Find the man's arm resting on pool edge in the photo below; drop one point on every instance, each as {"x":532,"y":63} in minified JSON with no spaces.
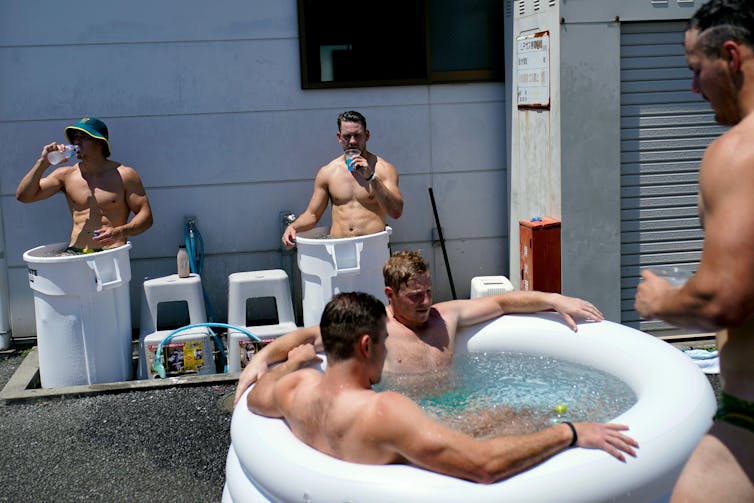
{"x":471,"y":312}
{"x":274,"y":352}
{"x":401,"y":425}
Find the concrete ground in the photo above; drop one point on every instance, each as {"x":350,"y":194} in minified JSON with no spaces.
{"x":152,"y":445}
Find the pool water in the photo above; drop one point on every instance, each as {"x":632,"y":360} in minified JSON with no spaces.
{"x":487,"y":394}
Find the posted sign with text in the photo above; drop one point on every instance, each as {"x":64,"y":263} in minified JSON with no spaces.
{"x":533,"y":70}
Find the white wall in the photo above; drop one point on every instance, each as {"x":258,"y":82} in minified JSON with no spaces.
{"x":535,"y":177}
{"x":204,"y":100}
{"x":565,"y":162}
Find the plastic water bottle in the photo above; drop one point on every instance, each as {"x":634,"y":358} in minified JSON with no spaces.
{"x":56,"y":156}
{"x":183,"y":262}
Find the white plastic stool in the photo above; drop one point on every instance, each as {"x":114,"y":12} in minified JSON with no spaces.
{"x":193,"y":347}
{"x":243,"y":286}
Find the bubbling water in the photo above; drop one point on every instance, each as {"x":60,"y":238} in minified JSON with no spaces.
{"x":487,"y":394}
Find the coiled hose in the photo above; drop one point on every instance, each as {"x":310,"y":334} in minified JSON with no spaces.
{"x":159,"y":367}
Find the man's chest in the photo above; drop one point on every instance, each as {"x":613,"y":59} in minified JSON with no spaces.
{"x":407,"y":353}
{"x":104,"y":193}
{"x":345,"y":188}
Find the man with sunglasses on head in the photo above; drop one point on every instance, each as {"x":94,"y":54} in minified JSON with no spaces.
{"x":101,"y":193}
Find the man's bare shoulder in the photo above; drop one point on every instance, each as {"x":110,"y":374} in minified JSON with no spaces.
{"x":393,"y":419}
{"x":734,"y":149}
{"x":451,"y":307}
{"x":124,"y":170}
{"x":290,"y":385}
{"x":330,"y":169}
{"x":386,"y":165}
{"x":727,"y":162}
{"x":336,"y":163}
{"x":65,"y":172}
{"x":301,"y":376}
{"x":387,"y":404}
{"x":448,"y":304}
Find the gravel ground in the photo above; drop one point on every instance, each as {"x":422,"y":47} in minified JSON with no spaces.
{"x":152,"y":446}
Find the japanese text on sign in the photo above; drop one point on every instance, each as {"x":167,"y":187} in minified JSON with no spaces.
{"x":533,"y":70}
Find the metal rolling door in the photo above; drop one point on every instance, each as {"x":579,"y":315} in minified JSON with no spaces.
{"x":664,"y":131}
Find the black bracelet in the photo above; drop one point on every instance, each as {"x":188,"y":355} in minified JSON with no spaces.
{"x":573,"y":430}
{"x":374,"y":173}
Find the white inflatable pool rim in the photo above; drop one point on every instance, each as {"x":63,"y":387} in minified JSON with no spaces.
{"x":674,"y":406}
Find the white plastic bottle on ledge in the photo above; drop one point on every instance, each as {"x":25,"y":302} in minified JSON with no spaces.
{"x":183,"y":262}
{"x":57,"y":156}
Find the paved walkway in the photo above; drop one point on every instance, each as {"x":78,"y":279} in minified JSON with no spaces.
{"x":160,"y":445}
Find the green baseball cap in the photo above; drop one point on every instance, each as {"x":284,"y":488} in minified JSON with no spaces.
{"x":94,"y":128}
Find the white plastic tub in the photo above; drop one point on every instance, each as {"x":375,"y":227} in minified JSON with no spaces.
{"x":332,"y":265}
{"x":83,"y":315}
{"x":674,"y":408}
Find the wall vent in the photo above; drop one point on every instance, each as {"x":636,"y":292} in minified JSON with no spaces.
{"x":527,"y":7}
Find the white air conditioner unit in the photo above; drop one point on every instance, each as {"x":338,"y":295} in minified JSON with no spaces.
{"x":482,"y":286}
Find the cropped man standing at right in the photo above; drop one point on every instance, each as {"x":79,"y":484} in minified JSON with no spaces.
{"x":719,"y":45}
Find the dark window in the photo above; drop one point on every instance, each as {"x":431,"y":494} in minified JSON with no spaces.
{"x":399,"y":42}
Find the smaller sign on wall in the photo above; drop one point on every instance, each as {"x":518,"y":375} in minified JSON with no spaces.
{"x":533,"y":70}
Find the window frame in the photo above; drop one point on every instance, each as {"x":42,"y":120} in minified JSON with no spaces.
{"x":431,"y":77}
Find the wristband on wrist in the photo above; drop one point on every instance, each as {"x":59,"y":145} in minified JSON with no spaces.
{"x":573,"y":430}
{"x":374,"y":173}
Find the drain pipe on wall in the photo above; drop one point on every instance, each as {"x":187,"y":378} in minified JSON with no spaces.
{"x":4,"y":296}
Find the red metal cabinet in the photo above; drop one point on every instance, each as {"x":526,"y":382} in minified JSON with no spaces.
{"x":540,"y":254}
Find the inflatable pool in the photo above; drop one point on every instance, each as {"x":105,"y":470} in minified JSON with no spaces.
{"x":675,"y":403}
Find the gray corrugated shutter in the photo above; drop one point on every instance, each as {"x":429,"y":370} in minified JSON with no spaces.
{"x":664,"y":131}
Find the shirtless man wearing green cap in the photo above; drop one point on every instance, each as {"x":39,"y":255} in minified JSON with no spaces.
{"x":101,"y":193}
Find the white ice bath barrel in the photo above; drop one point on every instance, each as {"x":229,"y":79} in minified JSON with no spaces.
{"x":83,"y":315}
{"x":332,"y":265}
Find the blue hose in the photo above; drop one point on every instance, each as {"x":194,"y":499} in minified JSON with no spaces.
{"x":158,"y":366}
{"x":195,"y":248}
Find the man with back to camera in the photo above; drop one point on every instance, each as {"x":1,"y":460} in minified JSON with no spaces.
{"x":422,"y":334}
{"x":719,"y":45}
{"x":363,"y":190}
{"x":101,"y":193}
{"x":339,"y":414}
